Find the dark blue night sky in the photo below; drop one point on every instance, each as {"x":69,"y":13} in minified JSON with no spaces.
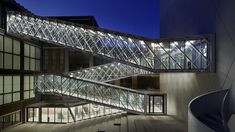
{"x":139,"y":17}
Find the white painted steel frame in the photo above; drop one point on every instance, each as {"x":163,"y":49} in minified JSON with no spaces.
{"x":187,"y":54}
{"x":108,"y":72}
{"x":102,"y":93}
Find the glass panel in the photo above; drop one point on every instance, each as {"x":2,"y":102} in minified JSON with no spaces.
{"x":17,"y":117}
{"x":44,"y":115}
{"x":26,"y":82}
{"x":148,"y":104}
{"x":8,"y":45}
{"x":64,"y":114}
{"x":30,"y":114}
{"x":32,"y":94}
{"x":26,"y":50}
{"x":85,"y":111}
{"x":158,"y":104}
{"x":32,"y":51}
{"x":1,"y":43}
{"x":7,"y":84}
{"x":78,"y":112}
{"x":107,"y":110}
{"x":1,"y":84}
{"x":7,"y":98}
{"x":73,"y":110}
{"x":70,"y":119}
{"x":7,"y":121}
{"x":93,"y":110}
{"x":37,"y":53}
{"x":13,"y":118}
{"x":32,"y":64}
{"x":51,"y":115}
{"x":16,"y":83}
{"x":26,"y":63}
{"x":1,"y":99}
{"x":58,"y":115}
{"x":101,"y":110}
{"x":36,"y":114}
{"x":26,"y":94}
{"x":37,"y":65}
{"x":16,"y":62}
{"x":151,"y":104}
{"x":16,"y":97}
{"x":8,"y":61}
{"x":31,"y":82}
{"x":1,"y":60}
{"x":16,"y":49}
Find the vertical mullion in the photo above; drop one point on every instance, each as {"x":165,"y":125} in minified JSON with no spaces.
{"x":12,"y":89}
{"x":12,"y":47}
{"x":3,"y":91}
{"x":54,"y":114}
{"x":3,"y":51}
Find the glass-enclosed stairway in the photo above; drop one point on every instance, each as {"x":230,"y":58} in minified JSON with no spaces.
{"x":126,"y":99}
{"x":132,"y":55}
{"x":186,"y":54}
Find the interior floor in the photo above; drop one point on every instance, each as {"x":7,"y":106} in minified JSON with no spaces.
{"x":114,"y":123}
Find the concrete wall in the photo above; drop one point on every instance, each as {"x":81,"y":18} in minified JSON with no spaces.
{"x":225,"y":32}
{"x":193,"y":17}
{"x":181,"y":88}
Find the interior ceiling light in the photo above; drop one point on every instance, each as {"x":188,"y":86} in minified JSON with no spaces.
{"x":92,"y":31}
{"x":142,"y":42}
{"x":129,"y":39}
{"x":187,"y":43}
{"x":154,"y":45}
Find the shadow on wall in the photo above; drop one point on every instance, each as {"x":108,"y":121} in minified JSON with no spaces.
{"x":181,"y":88}
{"x":232,"y":98}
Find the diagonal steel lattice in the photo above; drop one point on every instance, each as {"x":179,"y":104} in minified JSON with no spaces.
{"x":101,"y":93}
{"x":153,"y":55}
{"x":108,"y":72}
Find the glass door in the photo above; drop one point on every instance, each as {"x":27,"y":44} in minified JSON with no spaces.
{"x":156,"y":104}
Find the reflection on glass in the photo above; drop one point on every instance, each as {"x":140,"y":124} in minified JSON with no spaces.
{"x":7,"y":84}
{"x":30,"y":114}
{"x":7,"y":61}
{"x":36,"y":114}
{"x":63,"y":115}
{"x":158,"y":104}
{"x":155,"y":104}
{"x":51,"y":115}
{"x":58,"y":115}
{"x":7,"y":44}
{"x":10,"y":119}
{"x":44,"y":115}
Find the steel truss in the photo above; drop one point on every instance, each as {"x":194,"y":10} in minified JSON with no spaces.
{"x":97,"y":92}
{"x":153,"y":55}
{"x":108,"y":72}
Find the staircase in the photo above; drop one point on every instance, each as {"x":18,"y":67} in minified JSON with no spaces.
{"x":130,"y":100}
{"x":186,"y":54}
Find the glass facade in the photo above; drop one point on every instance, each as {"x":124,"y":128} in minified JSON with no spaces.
{"x":28,"y":87}
{"x":190,"y":54}
{"x":62,"y":114}
{"x":10,"y":119}
{"x":9,"y":53}
{"x":9,"y":89}
{"x":32,"y":57}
